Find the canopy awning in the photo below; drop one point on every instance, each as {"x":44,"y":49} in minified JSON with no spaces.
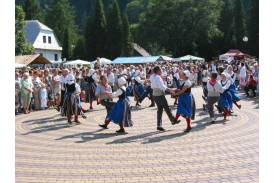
{"x":77,"y":62}
{"x":31,"y":59}
{"x":135,"y":60}
{"x":190,"y":58}
{"x":232,"y":54}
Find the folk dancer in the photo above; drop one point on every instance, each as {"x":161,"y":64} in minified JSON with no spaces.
{"x":176,"y":82}
{"x":186,"y":102}
{"x":63,"y":82}
{"x":92,"y":79}
{"x":214,"y":89}
{"x":225,"y":99}
{"x":120,"y":113}
{"x":103,"y":90}
{"x":71,"y":105}
{"x":159,"y":89}
{"x":232,"y":88}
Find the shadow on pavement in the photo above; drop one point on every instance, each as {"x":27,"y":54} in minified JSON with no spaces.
{"x":199,"y":127}
{"x":48,"y":128}
{"x":41,"y":119}
{"x":134,"y":138}
{"x":165,"y":137}
{"x":89,"y":136}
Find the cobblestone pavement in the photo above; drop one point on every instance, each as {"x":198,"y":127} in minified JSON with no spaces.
{"x":48,"y":150}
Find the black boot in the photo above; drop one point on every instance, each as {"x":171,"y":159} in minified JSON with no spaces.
{"x":103,"y":126}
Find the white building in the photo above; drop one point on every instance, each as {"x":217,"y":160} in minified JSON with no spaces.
{"x":43,"y":40}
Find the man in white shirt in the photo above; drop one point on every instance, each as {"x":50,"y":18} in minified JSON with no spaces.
{"x":159,"y":89}
{"x":214,"y":90}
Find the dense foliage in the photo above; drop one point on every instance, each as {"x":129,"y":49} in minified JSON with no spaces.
{"x":21,"y":47}
{"x":177,"y":27}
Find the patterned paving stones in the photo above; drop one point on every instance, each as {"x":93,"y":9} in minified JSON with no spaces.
{"x":48,"y":150}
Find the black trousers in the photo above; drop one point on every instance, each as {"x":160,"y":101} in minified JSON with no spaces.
{"x":162,"y":104}
{"x":62,"y":98}
{"x":108,"y":104}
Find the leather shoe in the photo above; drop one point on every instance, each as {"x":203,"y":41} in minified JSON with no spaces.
{"x":120,"y":131}
{"x":103,"y":126}
{"x":160,"y":129}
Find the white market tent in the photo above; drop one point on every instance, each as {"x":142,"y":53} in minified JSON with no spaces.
{"x":165,"y":58}
{"x":190,"y":58}
{"x":77,"y":62}
{"x":17,"y":65}
{"x":103,"y":61}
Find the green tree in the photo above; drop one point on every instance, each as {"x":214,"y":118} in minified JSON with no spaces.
{"x":127,"y":38}
{"x":67,"y":46}
{"x":178,"y":25}
{"x":32,"y":10}
{"x":60,"y":17}
{"x":21,"y":46}
{"x":225,"y":25}
{"x":95,"y":34}
{"x":253,"y":29}
{"x":114,"y":31}
{"x":134,"y":9}
{"x":80,"y":49}
{"x":239,"y":25}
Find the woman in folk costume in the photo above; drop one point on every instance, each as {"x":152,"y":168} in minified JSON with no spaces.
{"x":71,"y":105}
{"x":120,"y":113}
{"x":92,"y":79}
{"x":139,"y":91}
{"x":232,"y":88}
{"x":225,"y":100}
{"x":186,"y":102}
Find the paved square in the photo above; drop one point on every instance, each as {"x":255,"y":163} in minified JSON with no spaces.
{"x":48,"y":150}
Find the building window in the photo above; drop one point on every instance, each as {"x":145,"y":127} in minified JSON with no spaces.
{"x":44,"y":39}
{"x":49,"y":39}
{"x":56,"y":57}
